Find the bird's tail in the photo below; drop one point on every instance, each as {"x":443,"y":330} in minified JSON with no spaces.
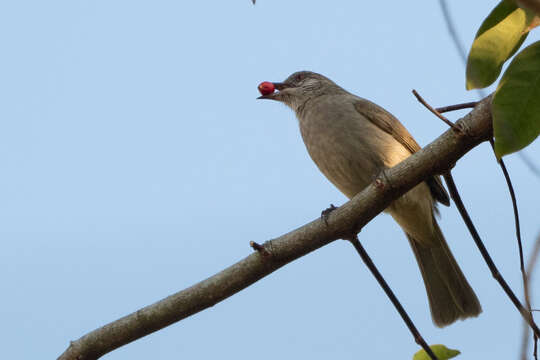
{"x":450,"y":295}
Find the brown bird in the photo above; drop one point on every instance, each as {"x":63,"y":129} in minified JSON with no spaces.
{"x":352,"y":140}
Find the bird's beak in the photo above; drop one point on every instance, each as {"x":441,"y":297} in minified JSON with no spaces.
{"x":275,"y":95}
{"x":281,"y":86}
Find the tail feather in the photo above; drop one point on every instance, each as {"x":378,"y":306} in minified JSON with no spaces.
{"x":450,"y":295}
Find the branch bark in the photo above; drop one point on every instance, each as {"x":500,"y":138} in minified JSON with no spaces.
{"x":436,"y":158}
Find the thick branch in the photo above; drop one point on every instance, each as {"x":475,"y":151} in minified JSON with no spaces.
{"x":435,"y":158}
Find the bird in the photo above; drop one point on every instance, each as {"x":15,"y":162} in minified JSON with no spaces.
{"x":352,"y":140}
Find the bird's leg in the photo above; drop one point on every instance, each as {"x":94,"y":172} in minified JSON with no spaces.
{"x":326,"y":212}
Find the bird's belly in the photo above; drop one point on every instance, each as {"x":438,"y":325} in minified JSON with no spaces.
{"x":348,"y":165}
{"x":350,"y":152}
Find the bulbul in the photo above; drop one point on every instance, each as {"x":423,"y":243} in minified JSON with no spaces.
{"x":352,"y":140}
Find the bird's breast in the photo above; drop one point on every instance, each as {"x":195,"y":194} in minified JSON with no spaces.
{"x":342,"y":146}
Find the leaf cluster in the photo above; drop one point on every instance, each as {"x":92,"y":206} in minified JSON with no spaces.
{"x":516,"y":101}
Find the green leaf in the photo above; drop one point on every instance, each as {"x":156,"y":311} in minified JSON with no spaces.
{"x":516,"y":103}
{"x":499,"y":37}
{"x":441,"y":351}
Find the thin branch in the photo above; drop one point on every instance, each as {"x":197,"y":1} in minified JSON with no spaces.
{"x":455,"y":107}
{"x":516,"y":215}
{"x":535,"y":347}
{"x":380,"y":279}
{"x":430,"y":108}
{"x":435,"y":158}
{"x":485,"y":254}
{"x":524,"y":273}
{"x":529,"y":272}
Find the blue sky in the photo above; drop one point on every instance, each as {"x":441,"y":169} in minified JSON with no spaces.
{"x":136,"y":162}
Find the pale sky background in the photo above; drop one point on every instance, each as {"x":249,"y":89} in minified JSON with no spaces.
{"x":136,"y":162}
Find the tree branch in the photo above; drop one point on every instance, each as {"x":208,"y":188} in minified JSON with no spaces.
{"x":436,"y":158}
{"x":390,"y":294}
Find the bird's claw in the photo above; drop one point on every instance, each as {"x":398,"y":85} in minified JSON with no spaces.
{"x":326,"y":212}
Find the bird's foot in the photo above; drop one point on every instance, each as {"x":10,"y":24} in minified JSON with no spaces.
{"x":326,"y":213}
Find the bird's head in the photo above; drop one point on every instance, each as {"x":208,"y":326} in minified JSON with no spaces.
{"x":300,"y":87}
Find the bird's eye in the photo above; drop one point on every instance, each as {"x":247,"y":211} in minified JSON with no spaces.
{"x":299,"y":77}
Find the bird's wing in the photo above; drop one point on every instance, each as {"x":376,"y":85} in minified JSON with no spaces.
{"x":389,"y":124}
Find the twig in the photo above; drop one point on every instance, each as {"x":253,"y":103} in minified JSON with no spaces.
{"x":524,"y":273}
{"x":530,"y":268}
{"x":430,"y":108}
{"x":516,"y":215}
{"x":485,"y":254}
{"x":380,"y":279}
{"x":448,"y":108}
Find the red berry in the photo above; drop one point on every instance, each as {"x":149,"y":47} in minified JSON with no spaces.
{"x":266,"y":88}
